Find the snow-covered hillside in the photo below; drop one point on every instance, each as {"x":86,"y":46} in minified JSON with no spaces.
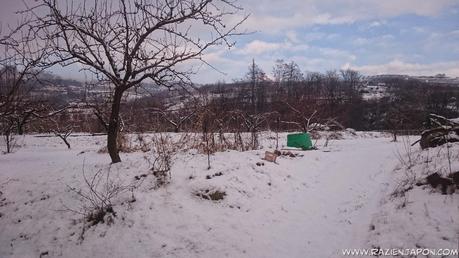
{"x":311,"y":205}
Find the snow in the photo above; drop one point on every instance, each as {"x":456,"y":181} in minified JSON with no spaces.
{"x":312,"y":205}
{"x":419,"y":216}
{"x":371,"y":92}
{"x":454,"y":120}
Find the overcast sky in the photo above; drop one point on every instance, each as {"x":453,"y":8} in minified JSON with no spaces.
{"x":416,"y":37}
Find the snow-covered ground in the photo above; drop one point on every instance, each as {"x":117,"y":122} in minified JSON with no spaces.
{"x":418,"y":216}
{"x":313,"y":205}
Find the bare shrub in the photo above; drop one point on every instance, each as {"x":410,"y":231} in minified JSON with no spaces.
{"x":130,"y":143}
{"x":417,"y":166}
{"x":206,"y":133}
{"x":62,"y":132}
{"x":332,"y":135}
{"x":124,"y":143}
{"x":238,"y":141}
{"x":407,"y":156}
{"x":163,"y":151}
{"x":97,"y":197}
{"x":9,"y":138}
{"x":212,"y":142}
{"x":143,"y":144}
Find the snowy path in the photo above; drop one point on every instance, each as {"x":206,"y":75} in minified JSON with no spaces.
{"x":311,"y":206}
{"x":325,"y":202}
{"x":343,"y":190}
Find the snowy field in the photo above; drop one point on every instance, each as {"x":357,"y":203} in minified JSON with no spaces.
{"x":358,"y":192}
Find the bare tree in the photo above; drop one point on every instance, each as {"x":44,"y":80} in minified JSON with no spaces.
{"x":9,"y":99}
{"x":256,"y":77}
{"x":252,"y":123}
{"x":304,"y":118}
{"x":63,"y":132}
{"x":127,"y":42}
{"x":287,"y":74}
{"x":351,"y":78}
{"x":18,"y":67}
{"x":177,"y":116}
{"x":332,"y":91}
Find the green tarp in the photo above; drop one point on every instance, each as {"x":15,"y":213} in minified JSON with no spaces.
{"x":299,"y":140}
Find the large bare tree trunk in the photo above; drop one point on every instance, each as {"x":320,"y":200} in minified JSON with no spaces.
{"x":113,"y":127}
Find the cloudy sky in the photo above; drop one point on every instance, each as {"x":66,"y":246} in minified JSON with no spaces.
{"x":416,"y":37}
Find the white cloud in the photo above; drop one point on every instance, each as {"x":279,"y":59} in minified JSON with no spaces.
{"x":361,"y":41}
{"x":257,"y":47}
{"x":447,"y":40}
{"x":376,"y":24}
{"x":271,"y":16}
{"x":377,"y":43}
{"x":397,"y":66}
{"x":424,"y":8}
{"x":292,"y":36}
{"x":337,"y":54}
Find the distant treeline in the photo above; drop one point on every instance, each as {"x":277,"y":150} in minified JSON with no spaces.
{"x":289,"y":100}
{"x":333,"y":99}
